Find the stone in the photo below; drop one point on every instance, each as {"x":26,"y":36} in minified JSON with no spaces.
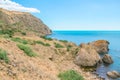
{"x":107,"y":59}
{"x":101,"y":46}
{"x":113,"y":74}
{"x":87,"y":56}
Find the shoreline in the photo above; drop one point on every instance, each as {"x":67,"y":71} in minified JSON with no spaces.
{"x":101,"y":66}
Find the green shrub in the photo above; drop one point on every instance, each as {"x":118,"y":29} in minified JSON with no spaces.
{"x":23,"y":33}
{"x":65,"y":41}
{"x":44,"y":44}
{"x":1,"y":32}
{"x":3,"y":56}
{"x":6,"y":36}
{"x":20,"y":40}
{"x":69,"y":47}
{"x":27,"y":50}
{"x":70,"y":75}
{"x":7,"y":31}
{"x":58,"y":45}
{"x":47,"y":38}
{"x":39,"y":42}
{"x":47,"y":44}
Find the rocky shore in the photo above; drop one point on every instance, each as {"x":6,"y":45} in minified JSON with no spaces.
{"x":50,"y":60}
{"x":89,"y":54}
{"x":92,"y":54}
{"x":27,"y":54}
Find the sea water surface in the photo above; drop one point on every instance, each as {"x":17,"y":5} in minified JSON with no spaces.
{"x":87,"y":36}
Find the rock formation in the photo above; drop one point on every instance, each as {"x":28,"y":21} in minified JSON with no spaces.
{"x":87,"y":56}
{"x":22,"y":21}
{"x":107,"y":59}
{"x":101,"y":46}
{"x":113,"y":74}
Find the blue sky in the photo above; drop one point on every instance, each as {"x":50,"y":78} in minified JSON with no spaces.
{"x":77,"y":14}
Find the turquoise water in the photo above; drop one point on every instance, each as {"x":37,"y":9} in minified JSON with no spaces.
{"x":87,"y":36}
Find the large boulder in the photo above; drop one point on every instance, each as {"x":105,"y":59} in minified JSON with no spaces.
{"x":107,"y":59}
{"x":87,"y":56}
{"x":101,"y":46}
{"x":113,"y":74}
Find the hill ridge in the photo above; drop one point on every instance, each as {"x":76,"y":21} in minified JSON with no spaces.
{"x":22,"y":21}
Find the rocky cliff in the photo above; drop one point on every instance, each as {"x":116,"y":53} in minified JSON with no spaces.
{"x":22,"y":21}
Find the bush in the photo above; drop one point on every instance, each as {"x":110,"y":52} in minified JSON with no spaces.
{"x":69,"y":47}
{"x":27,"y":50}
{"x":3,"y":56}
{"x":70,"y":75}
{"x":47,"y":44}
{"x":6,"y":36}
{"x":65,"y":41}
{"x":58,"y":45}
{"x":7,"y":31}
{"x":47,"y":38}
{"x":20,"y":40}
{"x":23,"y":33}
{"x":44,"y":44}
{"x":39,"y":42}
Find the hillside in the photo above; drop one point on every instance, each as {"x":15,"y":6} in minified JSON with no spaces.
{"x":45,"y":61}
{"x":22,"y":22}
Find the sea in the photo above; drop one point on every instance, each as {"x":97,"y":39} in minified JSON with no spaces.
{"x":79,"y":37}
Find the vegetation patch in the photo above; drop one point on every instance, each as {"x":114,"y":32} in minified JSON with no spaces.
{"x":70,"y":75}
{"x":20,"y":40}
{"x":65,"y":41}
{"x":1,"y":22}
{"x":44,"y":44}
{"x":27,"y":50}
{"x":6,"y":36}
{"x":57,"y":45}
{"x":47,"y":38}
{"x":7,"y":31}
{"x":23,"y":33}
{"x":3,"y":56}
{"x":47,"y":44}
{"x":69,"y":47}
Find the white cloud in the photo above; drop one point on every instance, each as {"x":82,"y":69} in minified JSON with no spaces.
{"x":13,"y":6}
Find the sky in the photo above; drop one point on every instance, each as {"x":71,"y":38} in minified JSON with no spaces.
{"x":71,"y":14}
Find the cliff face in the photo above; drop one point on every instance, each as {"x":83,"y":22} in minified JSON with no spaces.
{"x":22,"y":21}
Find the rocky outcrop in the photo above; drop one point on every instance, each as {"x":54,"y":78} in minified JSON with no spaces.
{"x":107,"y":59}
{"x":113,"y":74}
{"x":22,"y":21}
{"x":101,"y":46}
{"x":87,"y":56}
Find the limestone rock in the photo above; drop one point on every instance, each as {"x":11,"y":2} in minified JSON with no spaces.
{"x":101,"y":46}
{"x":113,"y":74}
{"x":107,"y":59}
{"x":87,"y":56}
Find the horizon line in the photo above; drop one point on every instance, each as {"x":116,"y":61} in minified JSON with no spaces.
{"x":85,"y":30}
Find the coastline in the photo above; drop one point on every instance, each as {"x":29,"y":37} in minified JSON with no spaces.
{"x":103,"y":35}
{"x":30,"y":50}
{"x":59,"y":55}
